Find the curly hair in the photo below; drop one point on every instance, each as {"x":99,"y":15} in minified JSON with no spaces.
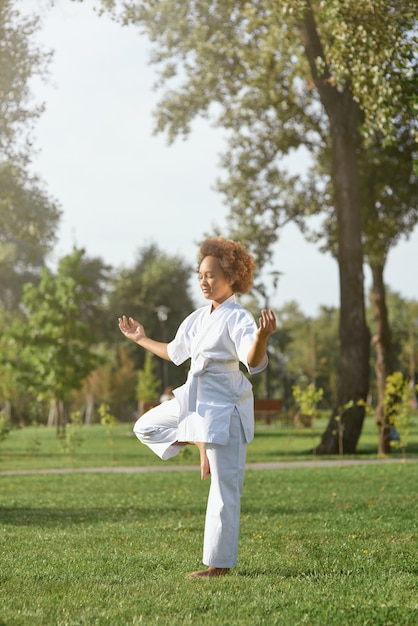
{"x":235,"y":261}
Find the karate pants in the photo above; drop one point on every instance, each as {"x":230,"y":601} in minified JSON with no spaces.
{"x":158,"y":430}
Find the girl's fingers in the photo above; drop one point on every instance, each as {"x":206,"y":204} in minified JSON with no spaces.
{"x":267,"y":321}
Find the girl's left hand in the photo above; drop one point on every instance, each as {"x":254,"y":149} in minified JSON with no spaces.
{"x":267,"y":323}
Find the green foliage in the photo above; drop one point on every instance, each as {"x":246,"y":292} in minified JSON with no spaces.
{"x":372,"y":46}
{"x":408,"y":353}
{"x":72,"y":438}
{"x":308,"y":349}
{"x":270,"y":75}
{"x":20,"y":60}
{"x":389,"y":192}
{"x":28,"y":216}
{"x":148,"y":384}
{"x":53,"y":351}
{"x":112,"y":383}
{"x":4,"y":425}
{"x":403,"y":314}
{"x":307,"y":399}
{"x":28,"y":219}
{"x":108,"y":420}
{"x":397,"y":407}
{"x":8,"y":374}
{"x":155,"y":279}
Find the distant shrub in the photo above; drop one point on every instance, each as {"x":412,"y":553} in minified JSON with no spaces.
{"x":4,"y":425}
{"x":397,"y":401}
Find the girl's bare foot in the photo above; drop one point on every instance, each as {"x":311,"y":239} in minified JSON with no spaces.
{"x":211,"y":571}
{"x":204,"y":461}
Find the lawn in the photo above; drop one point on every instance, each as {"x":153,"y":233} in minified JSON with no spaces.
{"x":39,"y":447}
{"x":319,"y":546}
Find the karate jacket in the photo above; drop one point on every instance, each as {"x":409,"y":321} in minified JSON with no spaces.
{"x":216,"y":342}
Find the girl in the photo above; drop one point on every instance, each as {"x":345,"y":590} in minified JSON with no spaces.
{"x":214,"y":409}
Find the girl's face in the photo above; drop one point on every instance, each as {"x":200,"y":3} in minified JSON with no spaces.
{"x":214,"y":283}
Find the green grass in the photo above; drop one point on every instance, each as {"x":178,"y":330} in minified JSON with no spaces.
{"x":318,"y":546}
{"x":39,"y":447}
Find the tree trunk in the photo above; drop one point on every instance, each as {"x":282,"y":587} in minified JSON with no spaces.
{"x":89,"y":408}
{"x":7,"y":408}
{"x":344,"y":429}
{"x":62,"y":418}
{"x":57,"y":416}
{"x":52,"y":415}
{"x":383,"y":346}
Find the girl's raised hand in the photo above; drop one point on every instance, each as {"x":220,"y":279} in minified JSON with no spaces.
{"x":131,"y":328}
{"x":266,"y":323}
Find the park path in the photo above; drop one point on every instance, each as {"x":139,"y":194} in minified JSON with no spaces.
{"x":279,"y":465}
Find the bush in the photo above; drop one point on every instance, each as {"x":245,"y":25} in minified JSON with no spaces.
{"x":4,"y":425}
{"x":397,"y":402}
{"x":307,"y":400}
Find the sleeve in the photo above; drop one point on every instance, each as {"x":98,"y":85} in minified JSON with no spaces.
{"x":243,"y":334}
{"x":179,"y":348}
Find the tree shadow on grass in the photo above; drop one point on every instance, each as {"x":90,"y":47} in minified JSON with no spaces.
{"x":44,"y":517}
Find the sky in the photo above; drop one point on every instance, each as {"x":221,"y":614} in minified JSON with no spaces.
{"x":121,"y":187}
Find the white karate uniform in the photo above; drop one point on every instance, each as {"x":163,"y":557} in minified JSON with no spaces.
{"x":214,"y":406}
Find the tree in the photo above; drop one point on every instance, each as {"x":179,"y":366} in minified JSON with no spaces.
{"x":28,"y":222}
{"x":268,"y":72}
{"x":404,"y":316}
{"x":28,"y":217}
{"x":53,"y":347}
{"x":389,"y":208}
{"x":309,"y":350}
{"x":20,"y":60}
{"x":8,"y":388}
{"x":156,"y":279}
{"x":95,"y":273}
{"x":123,"y":381}
{"x":390,"y":211}
{"x":112,"y":383}
{"x":148,"y":384}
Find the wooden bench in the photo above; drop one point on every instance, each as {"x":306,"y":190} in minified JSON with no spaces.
{"x":267,"y":409}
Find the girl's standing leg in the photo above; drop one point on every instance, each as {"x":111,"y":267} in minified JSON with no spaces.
{"x":227,"y":465}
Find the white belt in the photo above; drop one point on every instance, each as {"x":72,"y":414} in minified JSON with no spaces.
{"x":213,"y":367}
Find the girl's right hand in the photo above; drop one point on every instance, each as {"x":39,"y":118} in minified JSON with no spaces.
{"x":131,"y":328}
